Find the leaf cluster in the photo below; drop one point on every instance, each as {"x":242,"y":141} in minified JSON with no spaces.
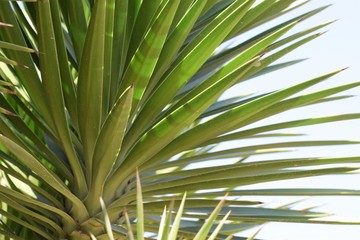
{"x":92,"y":90}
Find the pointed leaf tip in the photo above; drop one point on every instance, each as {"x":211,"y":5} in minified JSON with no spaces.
{"x":321,"y":33}
{"x":2,"y":24}
{"x":22,"y":65}
{"x":7,"y":112}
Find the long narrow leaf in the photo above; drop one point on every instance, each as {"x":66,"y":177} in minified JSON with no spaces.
{"x":218,"y":228}
{"x":190,"y":60}
{"x":233,"y":118}
{"x":143,"y":63}
{"x":108,"y":146}
{"x":46,"y":175}
{"x":205,"y":229}
{"x":176,"y":224}
{"x":51,"y":76}
{"x":139,"y":209}
{"x":90,"y":83}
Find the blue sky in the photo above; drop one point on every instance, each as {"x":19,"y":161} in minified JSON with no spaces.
{"x":336,"y":49}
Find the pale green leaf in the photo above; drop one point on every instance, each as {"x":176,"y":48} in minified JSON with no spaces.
{"x":90,"y":83}
{"x":176,"y":223}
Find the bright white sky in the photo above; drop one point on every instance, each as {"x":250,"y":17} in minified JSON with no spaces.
{"x":336,"y":49}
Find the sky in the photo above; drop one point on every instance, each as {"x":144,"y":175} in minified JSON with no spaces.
{"x":336,"y":49}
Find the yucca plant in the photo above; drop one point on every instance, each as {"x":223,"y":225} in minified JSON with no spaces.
{"x":92,"y":90}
